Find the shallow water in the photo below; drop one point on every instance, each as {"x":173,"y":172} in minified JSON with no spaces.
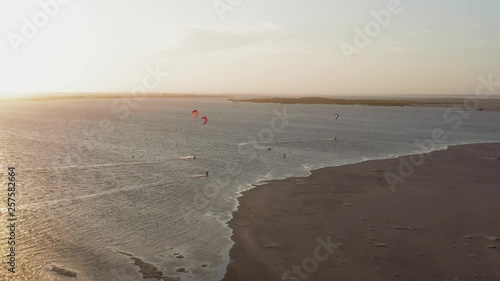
{"x":92,"y":181}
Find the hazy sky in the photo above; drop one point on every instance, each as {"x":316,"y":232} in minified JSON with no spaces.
{"x":259,"y":46}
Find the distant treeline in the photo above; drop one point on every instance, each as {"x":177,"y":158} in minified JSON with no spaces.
{"x":318,"y":100}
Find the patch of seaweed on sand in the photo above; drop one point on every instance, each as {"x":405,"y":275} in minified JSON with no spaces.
{"x":148,"y":270}
{"x":63,"y":271}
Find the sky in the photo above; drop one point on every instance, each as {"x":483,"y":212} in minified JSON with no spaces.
{"x":285,"y":47}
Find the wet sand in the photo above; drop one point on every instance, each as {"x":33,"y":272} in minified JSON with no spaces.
{"x":442,"y":223}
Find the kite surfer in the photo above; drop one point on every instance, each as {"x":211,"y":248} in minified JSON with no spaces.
{"x":206,"y":174}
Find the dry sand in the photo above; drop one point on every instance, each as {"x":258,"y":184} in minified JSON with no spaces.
{"x":443,"y":223}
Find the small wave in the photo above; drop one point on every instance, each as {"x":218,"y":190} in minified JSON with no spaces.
{"x":307,"y":167}
{"x":187,"y":157}
{"x":96,"y":165}
{"x":268,"y":176}
{"x":82,"y":197}
{"x":283,"y":141}
{"x":198,"y":176}
{"x":490,"y":158}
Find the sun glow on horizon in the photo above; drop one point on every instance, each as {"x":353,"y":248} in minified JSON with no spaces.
{"x":287,"y":48}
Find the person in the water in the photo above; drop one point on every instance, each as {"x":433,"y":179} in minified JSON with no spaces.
{"x":206,"y":175}
{"x":194,"y":157}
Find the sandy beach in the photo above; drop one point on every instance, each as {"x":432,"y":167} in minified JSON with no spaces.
{"x":345,"y":223}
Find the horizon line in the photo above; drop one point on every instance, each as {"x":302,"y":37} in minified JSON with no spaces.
{"x":111,"y":95}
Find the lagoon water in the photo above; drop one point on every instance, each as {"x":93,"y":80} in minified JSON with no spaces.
{"x":95,"y":182}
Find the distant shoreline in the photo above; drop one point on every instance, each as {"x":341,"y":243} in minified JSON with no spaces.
{"x":491,"y":104}
{"x":486,"y":105}
{"x":111,"y":96}
{"x":318,"y":100}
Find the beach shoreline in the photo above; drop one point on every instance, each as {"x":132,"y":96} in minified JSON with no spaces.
{"x":417,"y":232}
